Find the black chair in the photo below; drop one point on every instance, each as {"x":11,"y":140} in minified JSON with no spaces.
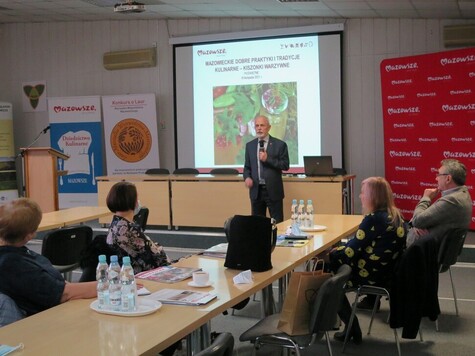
{"x":186,"y":171}
{"x":9,"y":310}
{"x":90,"y":257}
{"x":322,"y":319}
{"x":223,"y":345}
{"x":64,"y":247}
{"x":157,"y":171}
{"x":450,"y":249}
{"x":141,"y":217}
{"x":229,"y":171}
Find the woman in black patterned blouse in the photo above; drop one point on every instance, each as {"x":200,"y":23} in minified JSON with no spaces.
{"x":127,"y":238}
{"x":373,"y":252}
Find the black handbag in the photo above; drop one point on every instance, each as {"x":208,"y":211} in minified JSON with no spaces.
{"x":251,"y":240}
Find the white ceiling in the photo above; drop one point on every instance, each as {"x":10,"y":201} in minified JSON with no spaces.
{"x":12,"y":11}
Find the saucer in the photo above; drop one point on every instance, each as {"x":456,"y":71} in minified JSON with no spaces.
{"x":193,"y":284}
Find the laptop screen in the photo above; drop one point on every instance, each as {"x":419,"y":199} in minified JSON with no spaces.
{"x":318,"y":166}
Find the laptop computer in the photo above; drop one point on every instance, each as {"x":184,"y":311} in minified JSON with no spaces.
{"x":318,"y":166}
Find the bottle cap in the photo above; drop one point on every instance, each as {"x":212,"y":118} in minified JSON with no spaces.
{"x":309,"y":201}
{"x":294,"y":201}
{"x":301,"y":201}
{"x":126,"y":260}
{"x":102,"y":258}
{"x":114,"y":258}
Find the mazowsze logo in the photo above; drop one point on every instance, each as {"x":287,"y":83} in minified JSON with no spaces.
{"x":395,"y":67}
{"x":439,"y":78}
{"x":457,"y":60}
{"x":472,"y":170}
{"x":401,"y":81}
{"x":471,"y":74}
{"x":441,"y":124}
{"x":131,"y":140}
{"x":394,"y":97}
{"x":398,"y":182}
{"x":83,"y":108}
{"x":210,"y":52}
{"x":472,"y":122}
{"x":403,"y":126}
{"x":458,"y":107}
{"x":409,"y":110}
{"x":451,"y":154}
{"x":423,"y":95}
{"x":406,"y":169}
{"x":407,"y":196}
{"x":460,"y":92}
{"x":398,"y":140}
{"x":425,"y":184}
{"x":461,"y":139}
{"x":428,"y":139}
{"x":405,"y":154}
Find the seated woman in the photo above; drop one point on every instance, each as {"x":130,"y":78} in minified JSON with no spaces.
{"x":127,"y":238}
{"x":374,"y":250}
{"x":25,"y":276}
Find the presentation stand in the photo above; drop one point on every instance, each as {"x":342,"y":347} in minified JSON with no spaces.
{"x":41,"y":176}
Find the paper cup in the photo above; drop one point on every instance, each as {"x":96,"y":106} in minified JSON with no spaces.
{"x":200,"y":278}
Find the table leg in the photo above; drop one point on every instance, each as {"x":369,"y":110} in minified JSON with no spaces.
{"x":198,"y":340}
{"x":267,"y":301}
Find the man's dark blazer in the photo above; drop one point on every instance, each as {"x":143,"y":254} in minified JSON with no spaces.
{"x":277,"y":161}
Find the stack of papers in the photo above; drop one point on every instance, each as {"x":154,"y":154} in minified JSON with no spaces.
{"x":167,"y":274}
{"x":219,"y":250}
{"x":182,"y":297}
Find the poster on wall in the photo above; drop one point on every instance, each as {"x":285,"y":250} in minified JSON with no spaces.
{"x":34,"y":96}
{"x":130,"y":131}
{"x":429,"y":115}
{"x":8,"y":183}
{"x":76,"y":131}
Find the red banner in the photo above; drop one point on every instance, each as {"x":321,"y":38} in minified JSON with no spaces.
{"x":429,"y":115}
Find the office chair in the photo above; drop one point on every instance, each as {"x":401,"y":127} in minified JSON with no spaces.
{"x":223,"y":345}
{"x":90,"y":257}
{"x":450,"y":248}
{"x":186,"y":171}
{"x":63,"y":247}
{"x":9,"y":311}
{"x":323,"y":314}
{"x":229,"y":171}
{"x":141,"y":217}
{"x":157,"y":171}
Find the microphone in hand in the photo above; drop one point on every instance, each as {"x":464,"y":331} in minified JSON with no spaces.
{"x":261,"y":146}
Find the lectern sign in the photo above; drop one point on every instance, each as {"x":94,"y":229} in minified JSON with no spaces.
{"x":429,"y":115}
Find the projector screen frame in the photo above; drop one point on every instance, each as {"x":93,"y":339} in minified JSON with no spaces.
{"x":334,"y":134}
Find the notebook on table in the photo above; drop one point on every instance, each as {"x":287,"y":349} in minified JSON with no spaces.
{"x":318,"y":166}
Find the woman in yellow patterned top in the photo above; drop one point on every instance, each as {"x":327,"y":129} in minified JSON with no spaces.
{"x":373,"y":252}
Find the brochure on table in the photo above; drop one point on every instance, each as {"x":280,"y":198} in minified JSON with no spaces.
{"x":168,"y":274}
{"x":182,"y":297}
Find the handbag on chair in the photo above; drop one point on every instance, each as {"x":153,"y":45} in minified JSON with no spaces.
{"x":251,"y":240}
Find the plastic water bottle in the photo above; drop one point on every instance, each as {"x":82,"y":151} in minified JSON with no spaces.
{"x":102,"y":283}
{"x":293,"y":212}
{"x":114,"y":283}
{"x":310,"y":214}
{"x":301,"y":213}
{"x":128,"y":286}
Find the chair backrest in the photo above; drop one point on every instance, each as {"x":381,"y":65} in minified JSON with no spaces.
{"x":90,"y":257}
{"x":141,"y":217}
{"x":223,"y":345}
{"x":327,"y":303}
{"x":64,"y":246}
{"x":9,"y":311}
{"x":450,"y":248}
{"x":157,"y":171}
{"x":230,"y":171}
{"x":186,"y":171}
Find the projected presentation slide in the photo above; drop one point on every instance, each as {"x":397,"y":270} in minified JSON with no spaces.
{"x":223,"y":86}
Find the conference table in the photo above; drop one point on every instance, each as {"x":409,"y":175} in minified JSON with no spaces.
{"x":73,"y":328}
{"x":71,"y":216}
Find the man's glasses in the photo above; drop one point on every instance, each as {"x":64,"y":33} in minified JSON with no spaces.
{"x":442,"y":174}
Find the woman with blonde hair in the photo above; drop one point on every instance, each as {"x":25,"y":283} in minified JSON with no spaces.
{"x":373,"y":252}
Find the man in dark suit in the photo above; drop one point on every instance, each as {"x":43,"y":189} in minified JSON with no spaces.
{"x":266,"y":158}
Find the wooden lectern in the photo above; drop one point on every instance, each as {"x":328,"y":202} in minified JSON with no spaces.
{"x":41,"y":176}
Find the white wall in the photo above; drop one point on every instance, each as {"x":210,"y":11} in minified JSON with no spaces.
{"x":69,"y":57}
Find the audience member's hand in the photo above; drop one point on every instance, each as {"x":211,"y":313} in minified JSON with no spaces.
{"x":248,"y":182}
{"x":431,"y":193}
